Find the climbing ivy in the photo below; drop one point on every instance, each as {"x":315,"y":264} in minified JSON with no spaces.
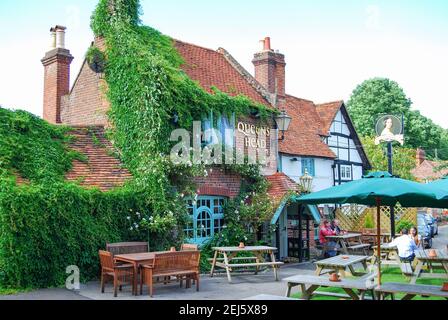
{"x":147,"y":89}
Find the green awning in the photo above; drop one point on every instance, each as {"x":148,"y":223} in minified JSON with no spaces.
{"x":311,"y":208}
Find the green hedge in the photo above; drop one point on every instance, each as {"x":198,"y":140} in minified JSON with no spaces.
{"x":44,"y":229}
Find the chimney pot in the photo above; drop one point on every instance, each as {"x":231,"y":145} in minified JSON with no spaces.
{"x":267,"y":44}
{"x":60,"y":36}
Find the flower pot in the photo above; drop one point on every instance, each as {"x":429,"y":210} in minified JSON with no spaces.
{"x":334,"y":277}
{"x":445,"y":287}
{"x":432,"y":253}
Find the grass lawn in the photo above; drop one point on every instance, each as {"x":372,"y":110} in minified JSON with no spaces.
{"x":389,"y":274}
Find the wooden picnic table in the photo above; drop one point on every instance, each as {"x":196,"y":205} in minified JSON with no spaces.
{"x":362,"y":286}
{"x":340,"y":265}
{"x":229,"y":254}
{"x":390,"y":253}
{"x":137,"y":260}
{"x":410,"y":290}
{"x":423,"y":259}
{"x":385,"y":237}
{"x":343,"y":241}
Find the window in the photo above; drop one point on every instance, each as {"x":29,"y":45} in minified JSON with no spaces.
{"x":346,"y":172}
{"x":308,"y":165}
{"x":222,"y":125}
{"x":206,"y":218}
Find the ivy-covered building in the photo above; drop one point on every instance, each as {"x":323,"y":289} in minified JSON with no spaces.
{"x":307,"y":144}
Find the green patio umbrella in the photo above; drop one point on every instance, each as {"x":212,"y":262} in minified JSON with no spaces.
{"x":376,"y":189}
{"x":440,"y":187}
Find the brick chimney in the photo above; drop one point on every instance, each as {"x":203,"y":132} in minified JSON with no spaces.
{"x":421,"y":156}
{"x":57,"y":75}
{"x":270,"y":70}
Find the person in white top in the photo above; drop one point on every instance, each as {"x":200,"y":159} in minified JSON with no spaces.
{"x":406,"y":246}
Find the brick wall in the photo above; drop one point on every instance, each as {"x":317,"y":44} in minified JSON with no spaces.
{"x":219,"y":183}
{"x":86,"y":105}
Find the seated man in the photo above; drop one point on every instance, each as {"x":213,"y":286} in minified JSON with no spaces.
{"x":335,"y":227}
{"x":406,"y":246}
{"x":329,"y":246}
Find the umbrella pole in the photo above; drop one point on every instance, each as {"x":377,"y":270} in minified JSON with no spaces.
{"x":378,"y":237}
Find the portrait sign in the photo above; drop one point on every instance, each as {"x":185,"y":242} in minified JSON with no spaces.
{"x":389,"y":128}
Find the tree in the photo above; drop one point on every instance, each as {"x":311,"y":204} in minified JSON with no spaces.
{"x":383,"y":96}
{"x":373,"y":97}
{"x":403,"y":158}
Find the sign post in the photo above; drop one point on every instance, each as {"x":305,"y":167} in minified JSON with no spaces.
{"x":390,"y":128}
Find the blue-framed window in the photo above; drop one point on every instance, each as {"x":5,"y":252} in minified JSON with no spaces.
{"x":224,"y":125}
{"x":308,"y":165}
{"x":206,"y":218}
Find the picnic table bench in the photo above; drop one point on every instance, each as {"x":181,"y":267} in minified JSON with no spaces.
{"x":361,"y":285}
{"x":229,"y":255}
{"x":346,"y":246}
{"x":340,"y":265}
{"x":423,"y":258}
{"x":410,"y":290}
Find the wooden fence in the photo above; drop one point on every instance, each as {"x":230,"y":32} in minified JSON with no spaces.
{"x":358,"y":217}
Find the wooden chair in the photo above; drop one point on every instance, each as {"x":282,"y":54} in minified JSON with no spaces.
{"x":127,"y":247}
{"x":111,"y":270}
{"x":182,"y":264}
{"x":189,"y":247}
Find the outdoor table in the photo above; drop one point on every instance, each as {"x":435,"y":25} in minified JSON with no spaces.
{"x":348,"y":285}
{"x":423,"y":258}
{"x":339,"y":265}
{"x":385,"y":237}
{"x":229,"y":254}
{"x":343,"y":239}
{"x":137,"y":260}
{"x":391,"y":253}
{"x":410,"y":290}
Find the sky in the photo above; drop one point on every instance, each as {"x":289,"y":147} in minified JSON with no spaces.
{"x":330,"y":46}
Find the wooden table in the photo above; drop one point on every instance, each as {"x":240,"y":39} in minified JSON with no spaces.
{"x":362,"y":286}
{"x":137,"y":260}
{"x":339,"y":265}
{"x":343,"y":239}
{"x":229,"y":254}
{"x":410,"y":290}
{"x":392,"y":257}
{"x":423,"y":258}
{"x":385,"y":237}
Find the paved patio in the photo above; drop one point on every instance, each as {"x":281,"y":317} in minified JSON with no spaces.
{"x":217,"y":288}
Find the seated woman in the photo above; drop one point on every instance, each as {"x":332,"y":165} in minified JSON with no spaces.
{"x":329,"y":246}
{"x":417,"y":238}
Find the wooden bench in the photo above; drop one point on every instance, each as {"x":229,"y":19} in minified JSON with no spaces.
{"x":410,"y":291}
{"x":127,"y":247}
{"x":362,"y":285}
{"x":182,"y":265}
{"x":406,"y":269}
{"x":362,"y":247}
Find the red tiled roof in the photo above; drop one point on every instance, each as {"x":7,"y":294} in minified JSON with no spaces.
{"x":101,"y":170}
{"x":303,"y":137}
{"x":426,"y":171}
{"x":327,"y":112}
{"x":280,"y":185}
{"x":211,"y":69}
